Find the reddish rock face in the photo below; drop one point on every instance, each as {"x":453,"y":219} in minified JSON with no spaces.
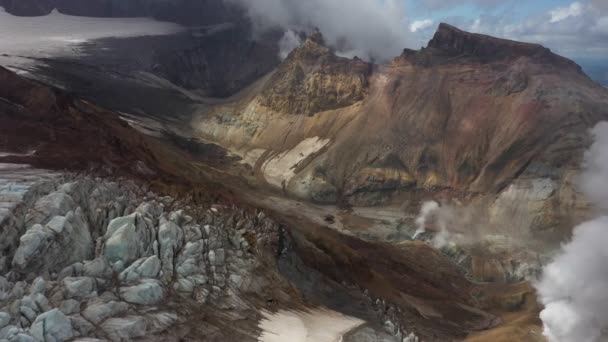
{"x":469,"y":113}
{"x":452,"y":43}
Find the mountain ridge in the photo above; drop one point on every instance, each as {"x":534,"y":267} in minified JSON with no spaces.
{"x":455,"y":42}
{"x":472,"y":126}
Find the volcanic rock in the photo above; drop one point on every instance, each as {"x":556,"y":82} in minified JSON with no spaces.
{"x":469,"y":115}
{"x":452,"y":45}
{"x":148,"y":292}
{"x":97,"y":313}
{"x":52,"y":326}
{"x":128,"y":239}
{"x":313,"y":79}
{"x":127,"y":328}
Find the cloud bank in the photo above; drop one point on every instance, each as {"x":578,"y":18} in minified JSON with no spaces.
{"x":370,"y":29}
{"x":573,"y":287}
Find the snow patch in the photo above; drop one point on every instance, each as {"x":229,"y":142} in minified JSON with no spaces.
{"x":279,"y":169}
{"x":319,"y":325}
{"x":58,"y":35}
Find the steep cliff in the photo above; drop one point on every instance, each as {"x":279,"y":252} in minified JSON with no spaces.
{"x":219,"y":61}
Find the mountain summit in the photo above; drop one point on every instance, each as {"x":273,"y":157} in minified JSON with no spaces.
{"x":453,"y":43}
{"x":469,"y":113}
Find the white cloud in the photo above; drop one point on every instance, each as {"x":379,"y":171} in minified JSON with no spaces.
{"x":578,"y":30}
{"x":421,"y":25}
{"x":370,"y":29}
{"x":574,"y":10}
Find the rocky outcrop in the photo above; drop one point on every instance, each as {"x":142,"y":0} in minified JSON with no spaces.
{"x":129,"y":238}
{"x":42,"y":249}
{"x":20,"y":189}
{"x":157,"y":264}
{"x":452,"y":45}
{"x":219,"y":61}
{"x":144,"y":255}
{"x":313,"y":79}
{"x":52,"y":325}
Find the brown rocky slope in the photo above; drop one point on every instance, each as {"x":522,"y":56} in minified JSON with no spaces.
{"x":47,"y":128}
{"x":469,"y":114}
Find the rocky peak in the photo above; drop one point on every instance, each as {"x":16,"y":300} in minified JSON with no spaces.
{"x":311,"y":51}
{"x":457,"y":42}
{"x":316,"y":37}
{"x":453,"y":44}
{"x":313,"y":79}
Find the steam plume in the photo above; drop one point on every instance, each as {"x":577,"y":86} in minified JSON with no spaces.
{"x":370,"y":29}
{"x":290,"y":41}
{"x":574,"y":286}
{"x":441,"y":217}
{"x":426,"y":211}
